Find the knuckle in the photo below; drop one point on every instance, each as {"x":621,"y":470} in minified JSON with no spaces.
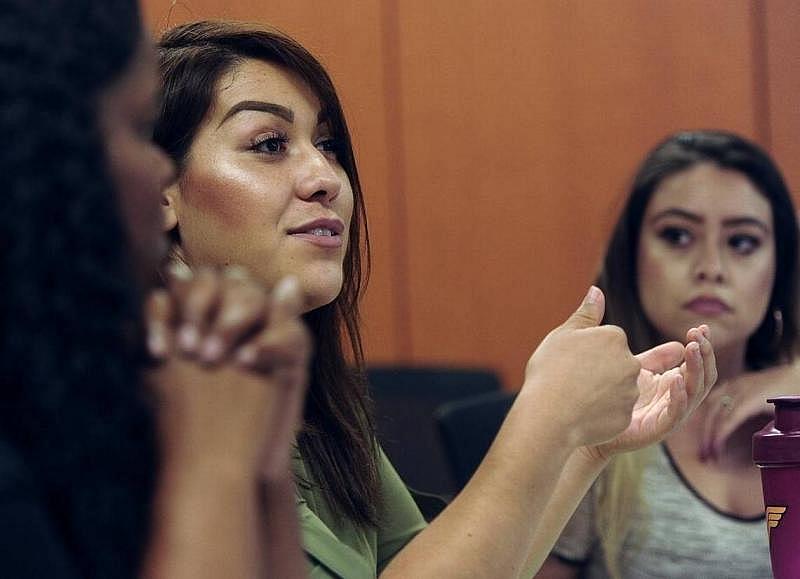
{"x":205,"y":276}
{"x":582,"y":317}
{"x":614,"y":335}
{"x":233,"y":316}
{"x":199,"y":294}
{"x":614,"y":331}
{"x":235,"y":273}
{"x":178,"y":272}
{"x":245,"y":302}
{"x":179,"y":268}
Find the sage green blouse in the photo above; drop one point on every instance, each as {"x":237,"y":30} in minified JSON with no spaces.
{"x":338,"y":549}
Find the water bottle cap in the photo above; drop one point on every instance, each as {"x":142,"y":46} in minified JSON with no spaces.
{"x":778,"y":443}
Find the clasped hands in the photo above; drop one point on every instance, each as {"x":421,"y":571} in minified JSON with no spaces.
{"x":232,"y":369}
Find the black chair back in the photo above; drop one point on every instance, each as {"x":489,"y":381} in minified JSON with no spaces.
{"x":468,"y":427}
{"x":405,"y":401}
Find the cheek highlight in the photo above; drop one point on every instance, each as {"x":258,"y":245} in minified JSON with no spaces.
{"x":661,"y":280}
{"x":220,"y":197}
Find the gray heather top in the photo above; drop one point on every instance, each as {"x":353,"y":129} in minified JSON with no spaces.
{"x":678,"y":534}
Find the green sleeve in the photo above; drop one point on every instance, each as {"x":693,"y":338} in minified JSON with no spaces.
{"x":401,"y":520}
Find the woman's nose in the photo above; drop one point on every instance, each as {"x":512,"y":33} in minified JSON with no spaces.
{"x":317,"y":180}
{"x":710,"y":266}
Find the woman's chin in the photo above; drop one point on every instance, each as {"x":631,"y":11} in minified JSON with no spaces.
{"x":319,"y":293}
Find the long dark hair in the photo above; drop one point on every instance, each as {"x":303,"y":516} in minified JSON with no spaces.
{"x":337,"y":442}
{"x":775,"y":339}
{"x":71,"y":406}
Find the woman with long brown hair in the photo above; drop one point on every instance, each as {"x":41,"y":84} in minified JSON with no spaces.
{"x":267,"y":179}
{"x":708,"y":233}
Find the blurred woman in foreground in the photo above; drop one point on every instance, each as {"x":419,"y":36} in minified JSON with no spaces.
{"x":122,"y":455}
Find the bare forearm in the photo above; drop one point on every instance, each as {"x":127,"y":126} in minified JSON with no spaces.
{"x":580,"y":472}
{"x":281,"y":531}
{"x":488,"y":529}
{"x":205,"y":526}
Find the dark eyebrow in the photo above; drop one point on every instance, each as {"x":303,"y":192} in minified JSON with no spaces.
{"x":675,"y":212}
{"x":278,"y":110}
{"x":739,"y":221}
{"x":693,"y":217}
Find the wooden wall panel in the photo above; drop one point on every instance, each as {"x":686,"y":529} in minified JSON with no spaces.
{"x":781,"y":29}
{"x":347,"y":37}
{"x":495,"y":141}
{"x":521,"y":127}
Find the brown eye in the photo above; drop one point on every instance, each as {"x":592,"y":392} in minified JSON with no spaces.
{"x":676,"y":236}
{"x":330,"y":147}
{"x":271,"y":144}
{"x":744,"y":244}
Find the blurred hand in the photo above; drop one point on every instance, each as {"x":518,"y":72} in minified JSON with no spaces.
{"x":587,"y":373}
{"x":233,"y":370}
{"x":742,"y":402}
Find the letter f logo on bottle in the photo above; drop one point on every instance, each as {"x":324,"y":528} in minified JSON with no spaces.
{"x":774,"y":516}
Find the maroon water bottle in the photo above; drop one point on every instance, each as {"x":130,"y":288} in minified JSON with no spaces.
{"x":776,"y":449}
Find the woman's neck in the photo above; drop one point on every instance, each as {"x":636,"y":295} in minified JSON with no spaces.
{"x":730,"y":361}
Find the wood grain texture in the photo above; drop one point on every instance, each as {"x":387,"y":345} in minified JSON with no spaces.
{"x":495,"y":141}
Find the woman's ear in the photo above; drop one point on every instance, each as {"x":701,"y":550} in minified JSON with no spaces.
{"x":169,"y":208}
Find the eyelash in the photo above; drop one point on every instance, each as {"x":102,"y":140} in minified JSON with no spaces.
{"x":329,"y":146}
{"x":274,"y":137}
{"x":332,"y":147}
{"x":680,"y":237}
{"x":672,"y":234}
{"x":753,"y":243}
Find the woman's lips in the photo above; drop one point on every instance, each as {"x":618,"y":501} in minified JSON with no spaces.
{"x":321,"y":239}
{"x":707,"y":306}
{"x":320,"y":232}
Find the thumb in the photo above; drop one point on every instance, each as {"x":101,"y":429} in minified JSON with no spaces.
{"x":590,"y":313}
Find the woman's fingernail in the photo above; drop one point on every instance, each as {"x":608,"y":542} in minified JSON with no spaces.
{"x":247,"y":355}
{"x":593,"y":295}
{"x":286,"y":287}
{"x":156,"y":343}
{"x":188,"y":338}
{"x":179,"y":270}
{"x":212,"y":349}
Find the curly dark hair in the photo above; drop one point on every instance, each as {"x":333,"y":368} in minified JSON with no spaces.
{"x":71,"y":402}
